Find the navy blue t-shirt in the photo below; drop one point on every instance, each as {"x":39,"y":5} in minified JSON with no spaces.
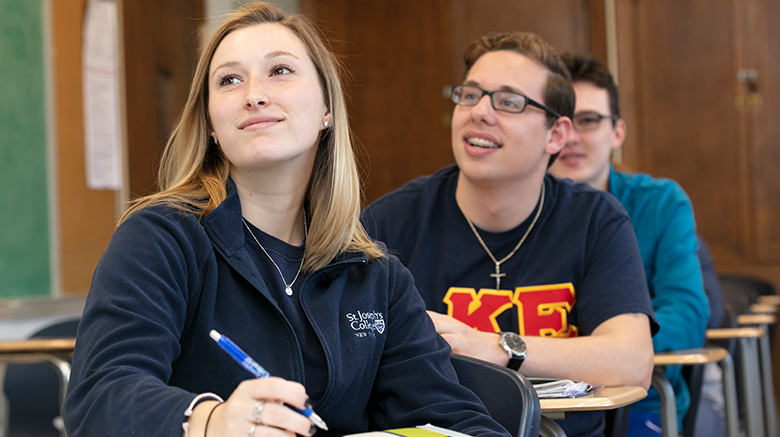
{"x":579,"y":266}
{"x":289,"y":259}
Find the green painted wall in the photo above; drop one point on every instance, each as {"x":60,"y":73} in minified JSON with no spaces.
{"x":24,"y":230}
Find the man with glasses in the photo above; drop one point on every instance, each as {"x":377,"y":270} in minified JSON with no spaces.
{"x":662,"y":217}
{"x":499,"y":248}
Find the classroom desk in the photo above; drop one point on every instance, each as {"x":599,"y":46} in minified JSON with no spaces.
{"x":769,"y":299}
{"x":763,"y":308}
{"x":763,"y":321}
{"x":605,"y":398}
{"x":749,"y":372}
{"x":690,"y":357}
{"x":52,"y":351}
{"x":756,"y":319}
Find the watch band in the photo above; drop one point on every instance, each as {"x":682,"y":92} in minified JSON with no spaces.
{"x":514,"y":363}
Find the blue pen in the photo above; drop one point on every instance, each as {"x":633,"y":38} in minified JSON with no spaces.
{"x":251,"y":365}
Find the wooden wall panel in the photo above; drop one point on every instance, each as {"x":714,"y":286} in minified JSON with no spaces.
{"x":563,"y":23}
{"x":397,"y":65}
{"x":87,"y":217}
{"x":625,"y":22}
{"x":160,"y":44}
{"x":402,"y":53}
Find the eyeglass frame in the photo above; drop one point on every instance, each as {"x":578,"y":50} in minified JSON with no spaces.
{"x":612,"y":117}
{"x":528,"y":100}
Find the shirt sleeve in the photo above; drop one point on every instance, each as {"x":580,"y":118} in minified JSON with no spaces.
{"x":675,"y":281}
{"x":614,"y":281}
{"x":128,"y":335}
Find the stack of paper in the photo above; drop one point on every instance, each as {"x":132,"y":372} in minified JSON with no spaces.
{"x":427,"y":430}
{"x":560,"y":388}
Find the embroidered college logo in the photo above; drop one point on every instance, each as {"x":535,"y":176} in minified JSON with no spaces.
{"x":542,"y":310}
{"x":368,"y":323}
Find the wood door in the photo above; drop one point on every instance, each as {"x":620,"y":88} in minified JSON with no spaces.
{"x":686,"y":127}
{"x":160,"y":48}
{"x":761,"y":25}
{"x":401,"y":54}
{"x":700,"y":117}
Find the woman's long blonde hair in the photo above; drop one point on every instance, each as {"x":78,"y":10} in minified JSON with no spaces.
{"x":194,"y":171}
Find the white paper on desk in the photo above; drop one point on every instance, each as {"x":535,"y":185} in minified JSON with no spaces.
{"x":102,"y":128}
{"x":560,"y":388}
{"x":400,"y":432}
{"x":443,"y":431}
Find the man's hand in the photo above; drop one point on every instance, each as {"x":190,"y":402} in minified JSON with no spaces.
{"x":466,"y":340}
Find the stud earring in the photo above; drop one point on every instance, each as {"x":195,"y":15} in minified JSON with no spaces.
{"x":325,"y":123}
{"x":216,"y":141}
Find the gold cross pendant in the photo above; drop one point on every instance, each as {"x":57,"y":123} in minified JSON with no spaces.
{"x":498,"y":275}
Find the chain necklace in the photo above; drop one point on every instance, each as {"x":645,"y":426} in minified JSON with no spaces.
{"x":498,"y":275}
{"x":287,"y":287}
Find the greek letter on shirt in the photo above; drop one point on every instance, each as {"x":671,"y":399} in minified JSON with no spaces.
{"x":542,"y":310}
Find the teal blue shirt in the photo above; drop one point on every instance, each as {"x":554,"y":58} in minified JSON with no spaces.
{"x":665,"y":229}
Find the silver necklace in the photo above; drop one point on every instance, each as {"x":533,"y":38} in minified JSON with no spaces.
{"x":287,"y":287}
{"x":498,"y":275}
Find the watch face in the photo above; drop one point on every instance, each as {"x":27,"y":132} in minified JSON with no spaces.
{"x":514,"y":342}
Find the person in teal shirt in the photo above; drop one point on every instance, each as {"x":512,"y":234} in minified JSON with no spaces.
{"x":662,"y":216}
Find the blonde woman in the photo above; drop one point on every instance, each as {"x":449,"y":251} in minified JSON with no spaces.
{"x":255,"y":234}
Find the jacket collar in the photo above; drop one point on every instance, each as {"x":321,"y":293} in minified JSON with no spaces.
{"x":223,"y":224}
{"x":225,"y":229}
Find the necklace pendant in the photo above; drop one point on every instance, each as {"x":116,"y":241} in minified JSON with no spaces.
{"x":288,"y":290}
{"x":498,"y":275}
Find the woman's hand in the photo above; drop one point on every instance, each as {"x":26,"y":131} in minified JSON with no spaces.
{"x":256,"y":408}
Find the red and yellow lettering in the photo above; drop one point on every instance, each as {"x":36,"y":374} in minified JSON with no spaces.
{"x":478,"y":310}
{"x":543,"y":310}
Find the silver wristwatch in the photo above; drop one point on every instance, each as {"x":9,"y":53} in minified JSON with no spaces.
{"x":514,"y":346}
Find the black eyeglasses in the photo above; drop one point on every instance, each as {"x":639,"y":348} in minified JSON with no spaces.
{"x":590,"y":121}
{"x":505,"y":101}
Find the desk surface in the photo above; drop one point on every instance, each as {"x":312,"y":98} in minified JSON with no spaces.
{"x":728,"y":333}
{"x":756,"y":319}
{"x":763,"y":308}
{"x":772,"y":299}
{"x":606,"y":398}
{"x":38,"y":346}
{"x":688,"y":357}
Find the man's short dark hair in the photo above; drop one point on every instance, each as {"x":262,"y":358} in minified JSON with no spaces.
{"x":557,"y":93}
{"x":589,"y":69}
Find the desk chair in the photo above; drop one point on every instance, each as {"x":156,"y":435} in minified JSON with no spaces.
{"x":743,"y":294}
{"x":694,"y":379}
{"x":34,"y":391}
{"x":763,"y":288}
{"x":747,"y":290}
{"x":697,"y":358}
{"x":750,"y":388}
{"x":767,"y":323}
{"x":617,"y":422}
{"x":509,"y":398}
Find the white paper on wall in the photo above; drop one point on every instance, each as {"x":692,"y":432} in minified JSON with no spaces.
{"x":102,"y":128}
